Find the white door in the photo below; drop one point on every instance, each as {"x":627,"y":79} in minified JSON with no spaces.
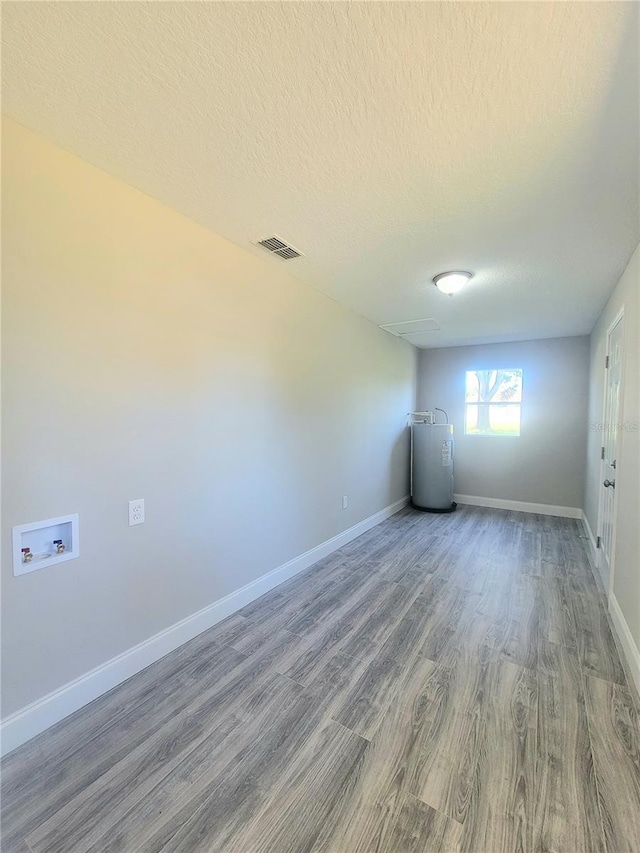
{"x":611,"y":433}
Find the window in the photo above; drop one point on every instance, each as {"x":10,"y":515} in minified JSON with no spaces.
{"x":493,"y":399}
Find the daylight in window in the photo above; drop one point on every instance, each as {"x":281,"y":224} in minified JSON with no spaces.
{"x":493,"y":402}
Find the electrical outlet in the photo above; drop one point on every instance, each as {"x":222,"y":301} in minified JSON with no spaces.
{"x":345,"y":501}
{"x":136,"y":512}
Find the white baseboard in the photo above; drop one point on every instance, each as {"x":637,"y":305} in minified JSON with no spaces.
{"x":592,"y":539}
{"x":618,"y":622}
{"x":599,"y":565}
{"x":631,"y":652}
{"x":520,"y":506}
{"x":43,"y":713}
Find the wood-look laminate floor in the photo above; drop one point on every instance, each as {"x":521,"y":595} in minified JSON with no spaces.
{"x":442,"y":683}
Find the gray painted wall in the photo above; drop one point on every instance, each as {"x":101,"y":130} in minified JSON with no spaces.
{"x":145,"y":356}
{"x":545,"y":464}
{"x":626,"y":569}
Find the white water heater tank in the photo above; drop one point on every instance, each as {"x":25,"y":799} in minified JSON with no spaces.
{"x":432,"y":453}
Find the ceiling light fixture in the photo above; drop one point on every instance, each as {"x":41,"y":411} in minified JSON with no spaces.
{"x":451,"y":282}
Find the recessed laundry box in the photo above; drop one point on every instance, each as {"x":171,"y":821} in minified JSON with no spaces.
{"x":45,"y":543}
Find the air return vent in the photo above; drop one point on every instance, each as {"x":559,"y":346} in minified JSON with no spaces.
{"x":278,"y":247}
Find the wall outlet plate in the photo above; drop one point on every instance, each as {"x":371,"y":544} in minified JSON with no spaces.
{"x":345,"y":501}
{"x":136,"y":512}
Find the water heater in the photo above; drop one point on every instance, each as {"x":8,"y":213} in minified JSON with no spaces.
{"x":432,"y":451}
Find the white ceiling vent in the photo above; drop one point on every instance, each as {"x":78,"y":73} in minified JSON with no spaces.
{"x":278,"y":247}
{"x":412,"y":327}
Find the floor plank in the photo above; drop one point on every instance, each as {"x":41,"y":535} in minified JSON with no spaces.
{"x":303,"y":802}
{"x":365,"y":705}
{"x":615,"y":735}
{"x":420,"y":828}
{"x":567,"y":812}
{"x":366,"y":819}
{"x":596,"y":646}
{"x":501,"y":787}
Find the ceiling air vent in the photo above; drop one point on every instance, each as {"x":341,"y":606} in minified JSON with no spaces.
{"x":278,"y":247}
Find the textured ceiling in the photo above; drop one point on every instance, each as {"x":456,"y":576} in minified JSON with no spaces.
{"x":386,"y":141}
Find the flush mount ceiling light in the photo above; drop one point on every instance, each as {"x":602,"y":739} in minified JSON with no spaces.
{"x":451,"y":282}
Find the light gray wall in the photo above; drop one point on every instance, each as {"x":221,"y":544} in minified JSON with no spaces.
{"x":545,"y":464}
{"x":626,"y":579}
{"x":145,"y":356}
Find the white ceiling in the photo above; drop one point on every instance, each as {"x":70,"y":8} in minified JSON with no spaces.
{"x":386,"y":141}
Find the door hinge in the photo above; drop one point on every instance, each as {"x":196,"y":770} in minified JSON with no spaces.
{"x":606,"y":361}
{"x":598,"y":541}
{"x":602,"y":453}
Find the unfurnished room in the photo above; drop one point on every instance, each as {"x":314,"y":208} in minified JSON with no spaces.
{"x":320,"y":427}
